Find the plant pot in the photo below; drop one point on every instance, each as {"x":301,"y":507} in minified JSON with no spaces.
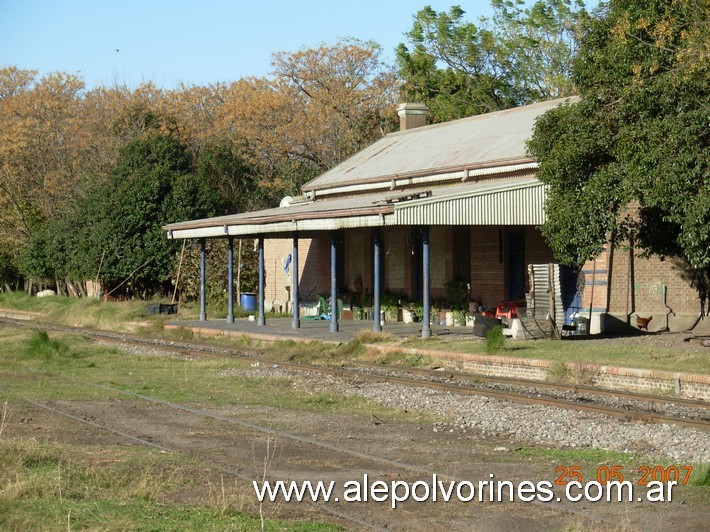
{"x":449,"y":318}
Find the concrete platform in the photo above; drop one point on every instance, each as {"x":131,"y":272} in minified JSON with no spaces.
{"x":281,"y":329}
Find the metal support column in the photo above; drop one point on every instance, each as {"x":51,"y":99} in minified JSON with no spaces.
{"x":426,"y":321}
{"x":296,"y":321}
{"x":377,"y":257}
{"x":230,"y":281}
{"x":261,"y":321}
{"x":203,"y":282}
{"x":333,"y":284}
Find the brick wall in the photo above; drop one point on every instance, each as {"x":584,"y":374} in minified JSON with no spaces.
{"x":314,"y":270}
{"x":397,"y":249}
{"x":358,"y":258}
{"x":536,"y":249}
{"x":488,"y":273}
{"x":637,"y":285}
{"x":681,"y":384}
{"x":441,"y":269}
{"x":487,"y":265}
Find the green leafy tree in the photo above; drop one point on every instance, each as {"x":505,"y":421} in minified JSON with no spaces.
{"x":630,"y":160}
{"x":9,"y":273}
{"x":152,"y":185}
{"x":459,"y":68}
{"x":223,"y":169}
{"x":115,"y":229}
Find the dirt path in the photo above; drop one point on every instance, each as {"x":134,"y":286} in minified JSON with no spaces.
{"x":341,"y":447}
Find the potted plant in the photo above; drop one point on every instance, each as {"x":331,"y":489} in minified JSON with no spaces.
{"x":390,"y":305}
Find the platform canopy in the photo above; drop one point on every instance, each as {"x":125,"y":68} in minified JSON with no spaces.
{"x":473,"y":171}
{"x":512,"y":201}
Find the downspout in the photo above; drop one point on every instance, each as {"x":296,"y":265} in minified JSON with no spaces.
{"x":377,"y":324}
{"x":203,"y":275}
{"x":426,"y":320}
{"x":262,"y":319}
{"x":333,"y":284}
{"x":296,"y":320}
{"x":230,"y":276}
{"x":632,"y":286}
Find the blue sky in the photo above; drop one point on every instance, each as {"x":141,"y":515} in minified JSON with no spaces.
{"x":128,"y":42}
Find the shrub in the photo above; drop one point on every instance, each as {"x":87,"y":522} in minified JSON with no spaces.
{"x":495,"y":340}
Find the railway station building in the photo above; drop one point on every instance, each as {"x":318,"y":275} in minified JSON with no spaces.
{"x":433,"y":214}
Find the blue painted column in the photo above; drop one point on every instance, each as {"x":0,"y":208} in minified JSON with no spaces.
{"x":230,"y":281}
{"x":261,"y":321}
{"x":377,"y":257}
{"x":426,"y":325}
{"x":333,"y":285}
{"x":203,"y":281}
{"x":296,"y":321}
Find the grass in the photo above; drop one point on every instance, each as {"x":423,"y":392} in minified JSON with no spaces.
{"x":584,"y":352}
{"x":48,"y":366}
{"x":54,"y":487}
{"x":132,"y":314}
{"x":40,"y":346}
{"x":701,"y":476}
{"x":73,"y":486}
{"x":495,"y":340}
{"x":48,"y":487}
{"x":596,"y":456}
{"x":84,"y":312}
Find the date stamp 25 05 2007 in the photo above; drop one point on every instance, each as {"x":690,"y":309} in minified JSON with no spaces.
{"x":615,"y":473}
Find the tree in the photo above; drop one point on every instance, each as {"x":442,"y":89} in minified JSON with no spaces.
{"x":115,"y":229}
{"x":152,"y":185}
{"x":344,"y":95}
{"x":320,"y":106}
{"x":460,"y":69}
{"x":41,"y":147}
{"x":224,"y":170}
{"x":630,"y":160}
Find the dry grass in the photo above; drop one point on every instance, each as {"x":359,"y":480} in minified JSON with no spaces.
{"x":4,"y":416}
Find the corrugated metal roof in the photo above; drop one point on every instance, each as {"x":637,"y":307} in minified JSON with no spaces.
{"x":488,"y":140}
{"x":500,"y":201}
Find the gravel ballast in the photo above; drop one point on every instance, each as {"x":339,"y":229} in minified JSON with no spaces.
{"x":523,"y":424}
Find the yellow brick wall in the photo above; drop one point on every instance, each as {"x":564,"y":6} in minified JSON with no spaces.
{"x":488,"y":272}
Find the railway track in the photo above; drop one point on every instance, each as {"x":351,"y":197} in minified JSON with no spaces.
{"x":228,"y":464}
{"x":638,"y":407}
{"x":224,"y":457}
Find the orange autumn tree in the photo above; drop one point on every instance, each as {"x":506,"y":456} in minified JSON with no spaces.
{"x":42,"y":143}
{"x":320,"y":106}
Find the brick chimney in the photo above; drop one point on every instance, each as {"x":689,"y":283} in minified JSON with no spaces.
{"x":412,"y":115}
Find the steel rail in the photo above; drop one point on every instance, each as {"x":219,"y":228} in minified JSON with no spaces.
{"x":196,"y":349}
{"x":200,"y":458}
{"x":461,"y":389}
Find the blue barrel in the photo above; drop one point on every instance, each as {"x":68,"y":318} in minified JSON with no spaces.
{"x":247,"y":301}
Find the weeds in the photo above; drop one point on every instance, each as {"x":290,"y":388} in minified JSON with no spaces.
{"x":558,"y":372}
{"x":397,"y":358}
{"x":223,"y":499}
{"x":371,"y":337}
{"x":4,"y":417}
{"x":41,"y":346}
{"x":264,"y":468}
{"x":701,"y":475}
{"x":495,"y":340}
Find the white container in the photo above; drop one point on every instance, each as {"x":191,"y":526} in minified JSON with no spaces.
{"x":449,"y":319}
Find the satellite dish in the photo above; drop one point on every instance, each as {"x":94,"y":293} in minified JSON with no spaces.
{"x":288,"y":200}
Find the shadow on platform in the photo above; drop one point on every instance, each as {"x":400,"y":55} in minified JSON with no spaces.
{"x":282,"y":329}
